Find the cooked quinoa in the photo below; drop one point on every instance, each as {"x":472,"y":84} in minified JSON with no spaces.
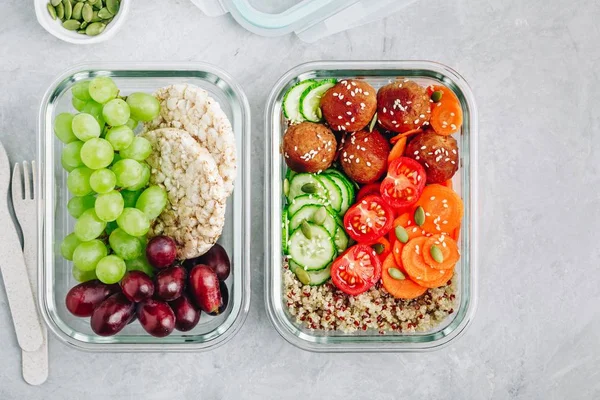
{"x":327,"y":308}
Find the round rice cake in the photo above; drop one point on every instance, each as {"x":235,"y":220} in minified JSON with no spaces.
{"x":195,"y":213}
{"x":190,"y":108}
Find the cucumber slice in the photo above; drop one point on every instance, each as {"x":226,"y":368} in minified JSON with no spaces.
{"x":335,"y":194}
{"x":285,"y":230}
{"x":315,"y":253}
{"x":291,"y":100}
{"x":306,"y":213}
{"x":310,"y":99}
{"x":298,"y":182}
{"x":312,"y":278}
{"x":305,"y":200}
{"x":346,"y":188}
{"x":340,"y":239}
{"x":290,"y":174}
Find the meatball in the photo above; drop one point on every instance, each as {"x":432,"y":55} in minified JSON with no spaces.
{"x":309,"y":147}
{"x":403,"y":105}
{"x":437,"y":154}
{"x":363,"y":156}
{"x":349,"y":106}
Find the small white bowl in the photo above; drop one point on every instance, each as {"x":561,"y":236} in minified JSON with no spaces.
{"x":56,"y":29}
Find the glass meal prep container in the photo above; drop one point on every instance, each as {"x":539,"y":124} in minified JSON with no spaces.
{"x":54,"y":222}
{"x":377,"y":73}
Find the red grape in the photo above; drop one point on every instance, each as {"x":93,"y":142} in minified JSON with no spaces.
{"x":112,"y":315}
{"x":170,"y":282}
{"x":186,"y":315}
{"x":156,"y":317}
{"x":137,"y":286}
{"x":204,"y":289}
{"x":218,"y":260}
{"x":85,"y":297}
{"x":161,"y":251}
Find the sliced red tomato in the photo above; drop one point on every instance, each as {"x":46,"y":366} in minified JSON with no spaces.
{"x":368,"y":189}
{"x":356,"y":270}
{"x":404,"y":183}
{"x":369,"y":219}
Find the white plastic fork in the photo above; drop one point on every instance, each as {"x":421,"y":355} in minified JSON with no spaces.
{"x":35,"y":363}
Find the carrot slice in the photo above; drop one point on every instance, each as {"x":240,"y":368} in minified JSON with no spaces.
{"x":397,"y":254}
{"x":456,"y":234}
{"x":396,"y":138}
{"x":446,"y":118}
{"x":415,"y":265}
{"x":406,"y":221}
{"x":447,"y":94}
{"x":399,"y":288}
{"x":449,"y":250}
{"x":387,"y":248}
{"x":443,"y":209}
{"x":397,"y":150}
{"x":445,"y":276}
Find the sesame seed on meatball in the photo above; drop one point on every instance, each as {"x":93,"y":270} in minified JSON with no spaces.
{"x":309,"y":147}
{"x":349,"y":106}
{"x":363,"y":156}
{"x":437,"y":154}
{"x":403,"y":105}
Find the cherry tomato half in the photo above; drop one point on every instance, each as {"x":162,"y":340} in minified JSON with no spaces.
{"x":369,"y":219}
{"x":356,"y":270}
{"x":404,"y":183}
{"x":368,"y":189}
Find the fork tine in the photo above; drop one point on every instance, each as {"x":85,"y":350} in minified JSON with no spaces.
{"x":26,"y":180}
{"x":33,"y":180}
{"x":17,"y":184}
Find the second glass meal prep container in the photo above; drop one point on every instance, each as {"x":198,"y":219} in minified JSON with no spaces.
{"x":54,"y":222}
{"x":377,"y":73}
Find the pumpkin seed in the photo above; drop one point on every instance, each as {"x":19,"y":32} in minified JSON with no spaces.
{"x":84,"y":25}
{"x":319,"y":113}
{"x":106,"y":22}
{"x":71,"y":24}
{"x":302,"y":275}
{"x":305,"y":228}
{"x":401,"y":234}
{"x":60,"y":11}
{"x":77,"y":11}
{"x":95,"y":17}
{"x":87,"y":13}
{"x":378,"y":247}
{"x":436,"y":254}
{"x":91,"y":2}
{"x":113,"y":6}
{"x":309,"y":188}
{"x":98,"y":5}
{"x":55,"y":2}
{"x":319,"y":216}
{"x":82,"y":32}
{"x":286,"y":187}
{"x":373,"y":122}
{"x":51,"y":10}
{"x":95,"y":29}
{"x":68,"y":9}
{"x":419,"y":216}
{"x":437,"y":96}
{"x":104,"y":13}
{"x":396,"y":274}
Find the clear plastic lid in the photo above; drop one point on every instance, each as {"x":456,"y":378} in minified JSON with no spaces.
{"x":311,"y":20}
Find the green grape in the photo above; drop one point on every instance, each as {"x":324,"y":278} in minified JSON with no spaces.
{"x":94,"y":109}
{"x":78,"y":181}
{"x":83,"y":276}
{"x":145,"y":178}
{"x":71,"y":156}
{"x":111,"y":269}
{"x":80,"y":90}
{"x":110,"y":227}
{"x":116,"y":158}
{"x":68,"y":246}
{"x":139,"y":149}
{"x":102,"y":89}
{"x":129,"y":172}
{"x":130,"y":197}
{"x":85,"y":127}
{"x":144,"y":107}
{"x":152,"y":201}
{"x":109,"y":206}
{"x":120,"y":137}
{"x":103,"y":180}
{"x":132,"y":124}
{"x":124,"y":245}
{"x":141,"y":264}
{"x":89,"y":226}
{"x":133,"y":222}
{"x":77,"y":205}
{"x":116,"y":112}
{"x":79,"y":105}
{"x":87,"y":254}
{"x":97,"y":153}
{"x":63,"y":128}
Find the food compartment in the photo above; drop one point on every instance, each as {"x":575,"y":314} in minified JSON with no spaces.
{"x":363,"y":334}
{"x":55,"y":221}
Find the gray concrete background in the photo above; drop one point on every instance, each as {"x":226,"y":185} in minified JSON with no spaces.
{"x":533,"y":67}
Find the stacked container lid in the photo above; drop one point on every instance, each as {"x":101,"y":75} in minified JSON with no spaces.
{"x":311,"y":20}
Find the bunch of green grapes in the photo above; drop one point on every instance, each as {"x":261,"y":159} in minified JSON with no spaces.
{"x":109,"y":179}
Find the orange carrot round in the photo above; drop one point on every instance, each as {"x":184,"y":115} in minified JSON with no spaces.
{"x":445,"y":276}
{"x":399,"y":288}
{"x":448,"y":249}
{"x":446,"y":118}
{"x":415,"y":265}
{"x":443,"y":209}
